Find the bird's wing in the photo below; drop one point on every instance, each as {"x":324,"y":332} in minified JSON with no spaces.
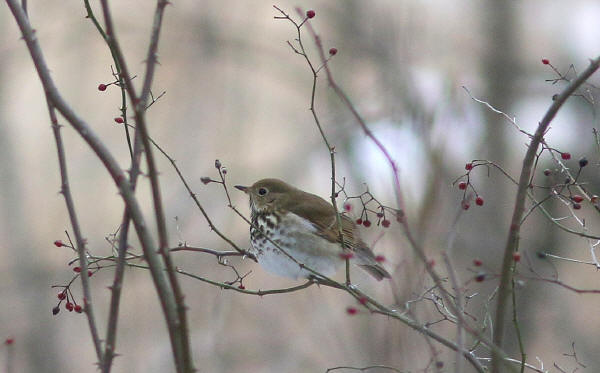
{"x":322,"y":216}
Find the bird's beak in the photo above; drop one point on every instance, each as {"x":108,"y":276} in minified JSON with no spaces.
{"x":242,"y":188}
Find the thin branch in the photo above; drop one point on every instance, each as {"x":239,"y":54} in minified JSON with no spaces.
{"x":79,"y":240}
{"x":512,"y":242}
{"x":85,"y":131}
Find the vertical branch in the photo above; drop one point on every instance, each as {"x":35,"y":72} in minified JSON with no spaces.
{"x":165,"y":295}
{"x":180,"y":337}
{"x":512,"y":242}
{"x":331,"y":149}
{"x":65,"y":190}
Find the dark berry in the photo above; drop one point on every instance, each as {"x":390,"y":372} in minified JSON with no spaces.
{"x":55,"y":310}
{"x":90,"y":273}
{"x":480,"y":277}
{"x":541,"y":254}
{"x":576,"y":206}
{"x":547,"y":172}
{"x":310,"y":13}
{"x":217,"y":164}
{"x":102,"y":87}
{"x":205,"y":179}
{"x":385,"y":223}
{"x":583,"y":162}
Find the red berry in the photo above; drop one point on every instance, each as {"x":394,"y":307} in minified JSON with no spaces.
{"x":359,"y":221}
{"x":347,"y":207}
{"x":90,"y":273}
{"x":479,"y":201}
{"x":9,"y":341}
{"x":462,"y":185}
{"x":480,"y":277}
{"x":477,"y":262}
{"x":69,"y":306}
{"x":565,"y":156}
{"x":547,"y":172}
{"x":385,"y":223}
{"x":119,"y":119}
{"x":346,"y":255}
{"x":469,"y":166}
{"x":102,"y":87}
{"x":545,"y":61}
{"x":77,"y":269}
{"x":62,"y":295}
{"x":78,"y":308}
{"x":332,"y":51}
{"x":577,"y":198}
{"x":58,"y":243}
{"x":465,"y":205}
{"x":516,"y":257}
{"x":242,"y":287}
{"x":576,"y":206}
{"x":310,"y":13}
{"x":380,"y":258}
{"x":367,"y":223}
{"x":351,"y":311}
{"x":363,"y":300}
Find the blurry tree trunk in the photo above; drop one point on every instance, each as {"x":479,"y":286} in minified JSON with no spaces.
{"x":501,"y":72}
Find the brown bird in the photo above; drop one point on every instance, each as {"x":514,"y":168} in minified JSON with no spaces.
{"x":305,"y":227}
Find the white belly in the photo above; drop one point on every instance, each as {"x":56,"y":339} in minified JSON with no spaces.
{"x":302,"y":244}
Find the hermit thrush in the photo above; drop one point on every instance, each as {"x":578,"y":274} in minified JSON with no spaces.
{"x":305,"y":227}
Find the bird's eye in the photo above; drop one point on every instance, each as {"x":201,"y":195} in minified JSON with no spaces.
{"x":262,"y":191}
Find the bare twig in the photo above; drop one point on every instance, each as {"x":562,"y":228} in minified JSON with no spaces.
{"x":85,"y":131}
{"x":512,"y":241}
{"x":79,"y":240}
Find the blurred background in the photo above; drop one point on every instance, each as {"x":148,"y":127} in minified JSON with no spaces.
{"x":235,"y":91}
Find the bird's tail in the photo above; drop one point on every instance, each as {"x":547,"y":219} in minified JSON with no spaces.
{"x":376,"y":270}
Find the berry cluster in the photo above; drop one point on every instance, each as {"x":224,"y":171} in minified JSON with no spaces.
{"x":70,"y":305}
{"x":65,"y":294}
{"x":369,"y":207}
{"x":562,"y":186}
{"x":464,"y":185}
